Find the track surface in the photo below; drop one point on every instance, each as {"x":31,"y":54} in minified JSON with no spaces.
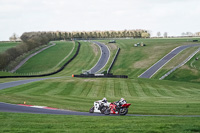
{"x":5,"y":107}
{"x":105,"y":55}
{"x":153,"y":69}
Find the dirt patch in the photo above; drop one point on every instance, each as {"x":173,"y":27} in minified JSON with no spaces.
{"x":142,"y":64}
{"x":95,"y":49}
{"x":112,"y":46}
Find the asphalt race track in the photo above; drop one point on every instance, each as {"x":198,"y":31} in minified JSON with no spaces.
{"x":5,"y":107}
{"x":153,"y":69}
{"x":105,"y":55}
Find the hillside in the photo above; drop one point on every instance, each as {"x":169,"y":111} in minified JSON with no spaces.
{"x":49,"y":60}
{"x":133,"y":61}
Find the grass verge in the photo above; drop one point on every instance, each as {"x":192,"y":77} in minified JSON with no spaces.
{"x":13,"y":122}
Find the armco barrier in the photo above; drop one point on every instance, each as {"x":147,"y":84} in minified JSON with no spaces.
{"x":100,"y":76}
{"x":48,"y":74}
{"x":113,"y":60}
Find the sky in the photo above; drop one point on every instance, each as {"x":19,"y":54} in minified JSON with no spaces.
{"x":171,"y":16}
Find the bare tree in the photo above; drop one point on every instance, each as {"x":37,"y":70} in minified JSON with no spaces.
{"x":183,"y":34}
{"x":189,"y":33}
{"x":165,"y":34}
{"x":13,"y":37}
{"x":158,"y":34}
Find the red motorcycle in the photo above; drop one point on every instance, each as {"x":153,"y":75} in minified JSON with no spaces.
{"x":114,"y":109}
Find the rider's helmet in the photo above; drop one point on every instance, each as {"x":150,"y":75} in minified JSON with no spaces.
{"x":104,"y":99}
{"x":122,"y":99}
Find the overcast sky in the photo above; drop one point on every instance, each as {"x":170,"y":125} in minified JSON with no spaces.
{"x":172,"y":16}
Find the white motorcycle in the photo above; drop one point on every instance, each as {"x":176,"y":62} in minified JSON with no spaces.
{"x":99,"y":107}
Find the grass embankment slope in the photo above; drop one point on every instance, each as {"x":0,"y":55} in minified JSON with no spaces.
{"x":189,"y":72}
{"x":88,"y":56}
{"x":52,"y":59}
{"x":48,"y":60}
{"x":147,"y":96}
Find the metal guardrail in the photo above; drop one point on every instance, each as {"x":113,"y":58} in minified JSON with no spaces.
{"x":181,"y":64}
{"x":100,"y":76}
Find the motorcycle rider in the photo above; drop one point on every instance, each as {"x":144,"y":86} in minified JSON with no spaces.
{"x":120,"y":102}
{"x":102,"y":103}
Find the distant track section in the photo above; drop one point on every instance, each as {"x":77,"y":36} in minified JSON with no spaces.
{"x":30,"y":56}
{"x":105,"y":55}
{"x":47,"y":74}
{"x":157,"y":66}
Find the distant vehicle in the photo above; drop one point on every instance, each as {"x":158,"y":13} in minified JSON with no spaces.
{"x":112,"y":41}
{"x":139,"y":44}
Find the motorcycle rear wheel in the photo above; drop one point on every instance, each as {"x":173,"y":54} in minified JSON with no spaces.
{"x":91,"y":110}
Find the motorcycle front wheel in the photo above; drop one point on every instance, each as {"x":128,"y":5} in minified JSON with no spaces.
{"x":91,"y":110}
{"x":103,"y":109}
{"x":123,"y":111}
{"x":107,"y":111}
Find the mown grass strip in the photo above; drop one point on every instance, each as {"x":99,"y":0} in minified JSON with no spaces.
{"x":14,"y":122}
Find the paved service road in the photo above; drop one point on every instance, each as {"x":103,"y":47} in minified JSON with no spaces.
{"x":105,"y":55}
{"x":153,"y":69}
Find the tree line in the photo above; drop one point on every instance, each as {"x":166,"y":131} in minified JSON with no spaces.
{"x":100,"y":34}
{"x":32,"y":40}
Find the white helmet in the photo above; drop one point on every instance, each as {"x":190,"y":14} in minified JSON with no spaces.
{"x":104,"y":99}
{"x":122,"y":99}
